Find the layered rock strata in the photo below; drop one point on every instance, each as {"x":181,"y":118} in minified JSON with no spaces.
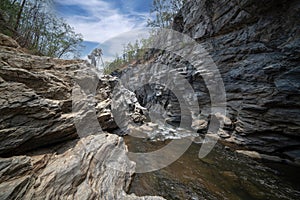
{"x":43,"y":104}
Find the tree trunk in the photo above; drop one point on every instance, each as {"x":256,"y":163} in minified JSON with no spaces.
{"x":19,"y":16}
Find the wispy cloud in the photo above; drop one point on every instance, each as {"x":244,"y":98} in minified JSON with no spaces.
{"x":99,"y":20}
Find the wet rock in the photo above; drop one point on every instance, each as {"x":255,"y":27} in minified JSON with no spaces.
{"x":230,"y":175}
{"x":294,"y":155}
{"x":223,"y":134}
{"x":237,"y":139}
{"x":199,"y":125}
{"x":256,"y":155}
{"x":227,"y":148}
{"x":152,"y":125}
{"x":225,"y":120}
{"x":255,"y":47}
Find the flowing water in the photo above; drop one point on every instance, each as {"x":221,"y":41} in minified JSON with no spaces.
{"x":223,"y":174}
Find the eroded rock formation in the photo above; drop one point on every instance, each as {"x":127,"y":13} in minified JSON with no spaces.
{"x":43,"y":155}
{"x":255,"y":46}
{"x":45,"y":101}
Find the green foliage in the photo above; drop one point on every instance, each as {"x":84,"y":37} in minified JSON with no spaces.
{"x":131,"y":54}
{"x":113,"y":66}
{"x":36,"y":28}
{"x":164,"y":12}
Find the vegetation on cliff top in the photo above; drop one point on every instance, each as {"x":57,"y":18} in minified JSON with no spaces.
{"x":33,"y":24}
{"x":163,"y":12}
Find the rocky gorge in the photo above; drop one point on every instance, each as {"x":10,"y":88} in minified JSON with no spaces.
{"x":255,"y":47}
{"x":43,"y":157}
{"x":60,"y":120}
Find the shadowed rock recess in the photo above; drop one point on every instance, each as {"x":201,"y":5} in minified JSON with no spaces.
{"x":43,"y":157}
{"x":255,"y":45}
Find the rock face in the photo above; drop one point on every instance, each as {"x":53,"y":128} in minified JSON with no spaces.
{"x":85,"y":171}
{"x":255,"y":46}
{"x":36,"y":99}
{"x":45,"y":102}
{"x":44,"y":156}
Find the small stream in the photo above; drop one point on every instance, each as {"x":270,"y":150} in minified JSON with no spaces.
{"x":223,"y":174}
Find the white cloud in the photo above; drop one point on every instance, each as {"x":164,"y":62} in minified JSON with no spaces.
{"x":104,"y":21}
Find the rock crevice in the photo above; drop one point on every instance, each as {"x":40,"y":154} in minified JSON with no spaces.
{"x":46,"y":157}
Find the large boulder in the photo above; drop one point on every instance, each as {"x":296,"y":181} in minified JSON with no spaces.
{"x":86,"y":170}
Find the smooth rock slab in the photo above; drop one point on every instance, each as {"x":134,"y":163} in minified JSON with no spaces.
{"x":95,"y":168}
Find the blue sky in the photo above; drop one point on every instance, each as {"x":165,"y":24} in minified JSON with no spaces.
{"x":101,"y":20}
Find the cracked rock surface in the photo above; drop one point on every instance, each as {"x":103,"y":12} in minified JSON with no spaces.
{"x":42,"y":154}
